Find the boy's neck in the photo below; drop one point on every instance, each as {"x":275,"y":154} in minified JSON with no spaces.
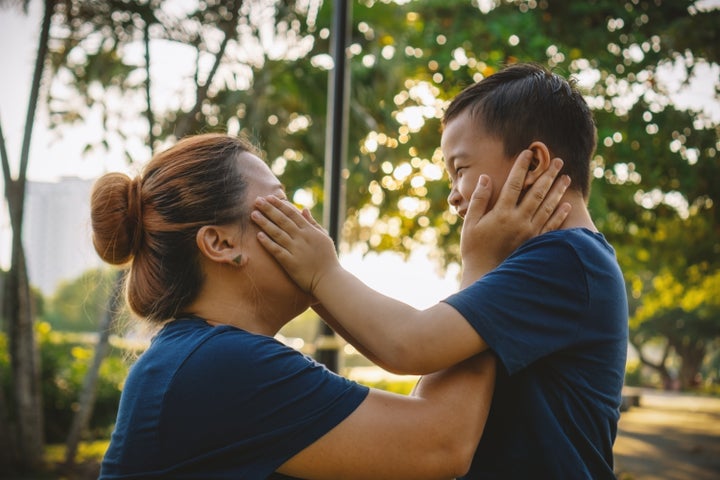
{"x":579,"y":216}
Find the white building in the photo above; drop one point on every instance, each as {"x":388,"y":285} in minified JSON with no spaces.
{"x":57,"y":233}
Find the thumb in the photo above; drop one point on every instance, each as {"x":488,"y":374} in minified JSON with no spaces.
{"x":479,"y":200}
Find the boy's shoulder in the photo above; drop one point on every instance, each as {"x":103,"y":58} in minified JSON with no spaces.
{"x":576,"y":238}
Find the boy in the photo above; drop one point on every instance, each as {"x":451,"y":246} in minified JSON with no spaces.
{"x":554,"y":312}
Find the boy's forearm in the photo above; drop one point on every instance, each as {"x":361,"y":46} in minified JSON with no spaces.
{"x":379,"y":324}
{"x":344,"y":333}
{"x":404,"y":339}
{"x":472,"y":274}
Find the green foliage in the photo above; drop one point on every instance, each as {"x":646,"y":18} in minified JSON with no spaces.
{"x":88,"y":452}
{"x":655,"y":193}
{"x":65,"y":359}
{"x":79,"y":304}
{"x":403,"y":387}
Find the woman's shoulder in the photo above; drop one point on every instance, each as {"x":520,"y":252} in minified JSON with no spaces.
{"x":229,"y":344}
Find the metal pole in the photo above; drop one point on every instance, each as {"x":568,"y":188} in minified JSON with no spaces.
{"x":335,"y":153}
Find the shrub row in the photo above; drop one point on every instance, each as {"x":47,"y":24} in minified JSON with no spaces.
{"x":65,"y":359}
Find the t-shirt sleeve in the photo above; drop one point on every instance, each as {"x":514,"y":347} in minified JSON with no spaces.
{"x":253,"y":403}
{"x":531,"y":305}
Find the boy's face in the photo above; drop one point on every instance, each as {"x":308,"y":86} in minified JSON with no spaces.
{"x":470,"y":152}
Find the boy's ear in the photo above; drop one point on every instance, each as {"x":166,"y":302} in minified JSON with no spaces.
{"x":540,"y":162}
{"x":220,"y":244}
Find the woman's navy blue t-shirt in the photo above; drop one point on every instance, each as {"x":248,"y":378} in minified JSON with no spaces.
{"x":219,"y":402}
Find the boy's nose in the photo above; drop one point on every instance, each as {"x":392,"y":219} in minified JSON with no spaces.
{"x":454,"y":198}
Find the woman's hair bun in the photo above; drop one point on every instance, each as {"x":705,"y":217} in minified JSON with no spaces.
{"x":116,"y":216}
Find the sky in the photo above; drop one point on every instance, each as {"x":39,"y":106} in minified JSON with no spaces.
{"x":57,"y":154}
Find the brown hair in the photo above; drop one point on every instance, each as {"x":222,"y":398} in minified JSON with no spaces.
{"x":151,"y":221}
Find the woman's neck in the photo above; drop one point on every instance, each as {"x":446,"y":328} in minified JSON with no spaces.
{"x":222,"y":305}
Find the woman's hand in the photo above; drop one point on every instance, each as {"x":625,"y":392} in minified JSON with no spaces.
{"x":488,"y":237}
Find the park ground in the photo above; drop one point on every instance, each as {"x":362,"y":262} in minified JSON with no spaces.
{"x":666,"y":436}
{"x":669,"y":436}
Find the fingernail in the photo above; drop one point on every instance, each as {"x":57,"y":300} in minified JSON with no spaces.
{"x":484,"y":180}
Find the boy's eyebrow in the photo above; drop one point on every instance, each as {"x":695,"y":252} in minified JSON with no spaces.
{"x":452,"y":159}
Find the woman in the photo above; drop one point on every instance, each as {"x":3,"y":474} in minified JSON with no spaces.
{"x":215,"y":395}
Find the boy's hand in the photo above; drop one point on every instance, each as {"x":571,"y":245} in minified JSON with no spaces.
{"x":295,"y":239}
{"x":489,"y":237}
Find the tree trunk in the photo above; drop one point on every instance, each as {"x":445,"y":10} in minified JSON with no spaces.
{"x":82,"y":417}
{"x":8,"y":445}
{"x":25,"y":366}
{"x":691,"y":355}
{"x":660,"y":367}
{"x":17,"y":306}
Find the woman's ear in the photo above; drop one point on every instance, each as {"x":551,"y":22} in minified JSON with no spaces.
{"x":220,"y":244}
{"x":540,"y":162}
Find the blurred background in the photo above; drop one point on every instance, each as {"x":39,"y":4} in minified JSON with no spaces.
{"x":94,"y":86}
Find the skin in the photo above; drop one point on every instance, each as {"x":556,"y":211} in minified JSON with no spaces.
{"x":429,"y":435}
{"x":361,"y":314}
{"x":470,"y":153}
{"x":255,"y":285}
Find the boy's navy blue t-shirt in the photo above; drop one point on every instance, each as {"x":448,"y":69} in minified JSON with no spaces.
{"x":555,"y":313}
{"x":219,"y":402}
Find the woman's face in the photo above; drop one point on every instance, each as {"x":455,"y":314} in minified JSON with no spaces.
{"x":270,"y":279}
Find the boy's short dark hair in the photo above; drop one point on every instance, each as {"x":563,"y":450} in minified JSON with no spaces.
{"x":523,"y":103}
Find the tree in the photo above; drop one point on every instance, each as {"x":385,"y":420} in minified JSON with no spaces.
{"x":128,"y":22}
{"x":406,"y":61}
{"x":653,"y":194}
{"x":86,"y":402}
{"x":261,"y":68}
{"x":78,"y":303}
{"x":22,"y":434}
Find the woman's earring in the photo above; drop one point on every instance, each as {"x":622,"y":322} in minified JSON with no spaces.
{"x":237,"y":260}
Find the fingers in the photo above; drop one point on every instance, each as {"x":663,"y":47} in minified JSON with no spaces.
{"x":556,"y":219}
{"x":273,"y":238}
{"x":308,"y":216}
{"x":512,"y":189}
{"x":278,"y":219}
{"x":548,"y":207}
{"x":280,"y":211}
{"x":544,"y":195}
{"x":537,"y":192}
{"x":269,"y":243}
{"x":539,"y":202}
{"x":479,"y":201}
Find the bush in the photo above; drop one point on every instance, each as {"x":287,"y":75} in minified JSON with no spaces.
{"x":403,"y":387}
{"x":65,"y":359}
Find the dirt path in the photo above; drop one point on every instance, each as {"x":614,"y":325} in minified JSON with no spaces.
{"x":669,"y":436}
